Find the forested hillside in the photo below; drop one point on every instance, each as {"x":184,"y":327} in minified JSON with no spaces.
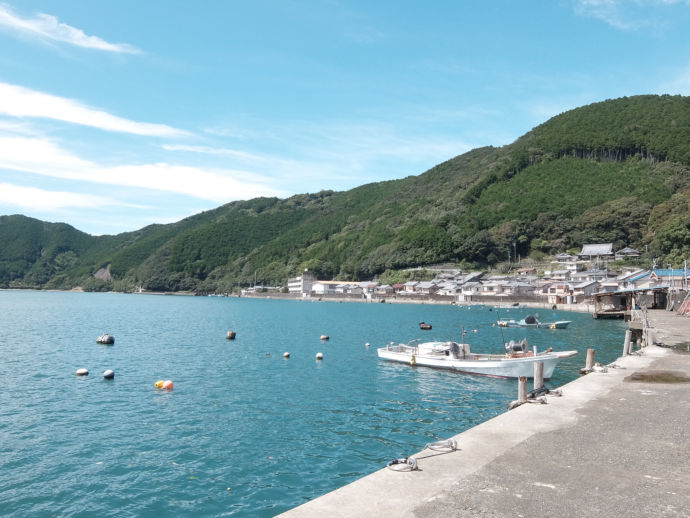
{"x":616,"y":171}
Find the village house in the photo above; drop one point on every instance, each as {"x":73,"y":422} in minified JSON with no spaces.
{"x":524,"y":272}
{"x":449,"y":288}
{"x":584,"y":290}
{"x":410,"y":287}
{"x":468,"y":290}
{"x":426,"y":287}
{"x":626,"y":253}
{"x":384,"y":289}
{"x":557,"y":275}
{"x":559,"y":293}
{"x":597,"y":254}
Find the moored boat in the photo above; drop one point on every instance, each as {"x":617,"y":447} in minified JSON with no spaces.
{"x":516,"y":362}
{"x":533,"y":321}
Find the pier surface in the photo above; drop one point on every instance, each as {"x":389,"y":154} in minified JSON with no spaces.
{"x":610,"y":447}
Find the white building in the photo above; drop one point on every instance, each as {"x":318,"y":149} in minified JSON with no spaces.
{"x":302,"y":284}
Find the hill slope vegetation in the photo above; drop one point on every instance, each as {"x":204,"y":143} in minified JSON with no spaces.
{"x":616,"y":171}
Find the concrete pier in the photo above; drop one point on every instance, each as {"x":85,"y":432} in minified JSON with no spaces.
{"x":610,"y":447}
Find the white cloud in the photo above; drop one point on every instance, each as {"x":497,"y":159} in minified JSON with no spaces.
{"x":18,"y":101}
{"x":46,"y":26}
{"x":34,"y":199}
{"x":626,"y":15}
{"x":207,"y":150}
{"x":44,"y":157}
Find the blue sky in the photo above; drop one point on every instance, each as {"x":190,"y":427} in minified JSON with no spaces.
{"x":116,"y":115}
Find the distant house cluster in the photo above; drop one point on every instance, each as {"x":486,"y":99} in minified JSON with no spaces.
{"x":569,"y":279}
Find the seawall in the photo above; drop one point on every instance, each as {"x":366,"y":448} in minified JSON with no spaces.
{"x":610,"y":446}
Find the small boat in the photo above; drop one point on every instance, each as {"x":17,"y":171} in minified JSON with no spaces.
{"x":106,"y":339}
{"x":516,"y":362}
{"x":424,"y":326}
{"x":532,"y":321}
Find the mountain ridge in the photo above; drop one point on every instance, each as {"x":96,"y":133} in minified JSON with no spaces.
{"x":614,"y":171}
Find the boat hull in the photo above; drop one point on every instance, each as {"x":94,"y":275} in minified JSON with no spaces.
{"x":493,"y":366}
{"x":561,"y":324}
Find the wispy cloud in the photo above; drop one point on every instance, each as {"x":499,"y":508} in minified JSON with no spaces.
{"x":207,"y":150}
{"x":34,"y":199}
{"x":48,"y":27}
{"x":18,"y":101}
{"x":44,"y":157}
{"x":627,"y":15}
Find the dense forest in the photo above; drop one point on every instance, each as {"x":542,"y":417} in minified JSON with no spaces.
{"x":616,"y":172}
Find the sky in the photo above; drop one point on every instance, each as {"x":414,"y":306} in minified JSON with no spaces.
{"x":117,"y":115}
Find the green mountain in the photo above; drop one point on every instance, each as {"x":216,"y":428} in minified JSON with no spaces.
{"x":616,"y":171}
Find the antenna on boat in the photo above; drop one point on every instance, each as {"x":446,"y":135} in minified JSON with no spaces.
{"x":501,"y":329}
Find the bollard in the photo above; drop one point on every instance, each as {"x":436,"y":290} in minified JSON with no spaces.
{"x":589,"y":364}
{"x":627,"y":343}
{"x":538,"y":375}
{"x":522,"y":389}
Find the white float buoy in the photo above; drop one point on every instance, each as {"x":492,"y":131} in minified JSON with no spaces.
{"x":367,"y":344}
{"x":82,"y":372}
{"x":319,"y":356}
{"x":325,"y":337}
{"x":286,"y":354}
{"x":109,"y":374}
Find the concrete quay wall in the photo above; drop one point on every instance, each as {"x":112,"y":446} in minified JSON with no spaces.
{"x":609,"y":447}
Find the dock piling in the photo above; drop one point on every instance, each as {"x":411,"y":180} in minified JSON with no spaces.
{"x":538,"y":375}
{"x":627,"y":343}
{"x":522,"y":389}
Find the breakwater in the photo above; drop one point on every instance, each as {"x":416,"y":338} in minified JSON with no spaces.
{"x":615,"y":444}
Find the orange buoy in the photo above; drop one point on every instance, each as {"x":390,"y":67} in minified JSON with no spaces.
{"x":168,"y":385}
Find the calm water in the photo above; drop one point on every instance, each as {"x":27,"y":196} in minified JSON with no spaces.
{"x":245,"y":432}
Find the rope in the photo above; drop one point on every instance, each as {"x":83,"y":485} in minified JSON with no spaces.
{"x":403,"y":464}
{"x":447,"y":446}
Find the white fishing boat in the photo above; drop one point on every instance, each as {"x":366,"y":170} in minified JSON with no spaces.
{"x":516,"y":362}
{"x":533,"y":321}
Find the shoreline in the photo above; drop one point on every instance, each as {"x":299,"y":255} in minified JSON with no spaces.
{"x":531,"y":304}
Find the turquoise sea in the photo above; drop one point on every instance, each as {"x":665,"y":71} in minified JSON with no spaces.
{"x":245,"y":432}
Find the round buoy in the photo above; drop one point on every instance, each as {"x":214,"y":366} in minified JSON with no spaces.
{"x":286,"y":354}
{"x":82,"y":372}
{"x":325,"y":337}
{"x":319,"y":356}
{"x":230,"y":335}
{"x":168,"y":385}
{"x":109,"y":374}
